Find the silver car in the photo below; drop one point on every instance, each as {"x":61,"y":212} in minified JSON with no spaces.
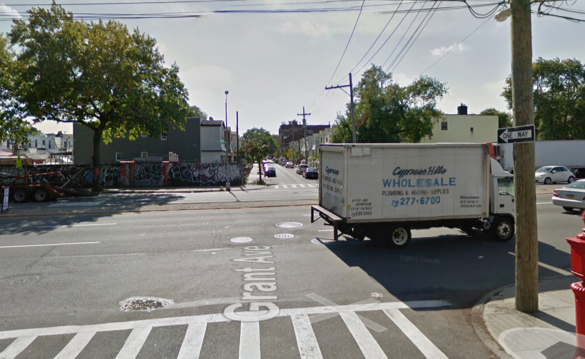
{"x":553,"y":174}
{"x":570,"y":197}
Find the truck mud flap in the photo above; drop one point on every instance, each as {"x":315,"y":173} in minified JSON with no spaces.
{"x":328,"y":217}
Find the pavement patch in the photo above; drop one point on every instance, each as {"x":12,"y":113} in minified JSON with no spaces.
{"x":144,"y":304}
{"x":18,"y":281}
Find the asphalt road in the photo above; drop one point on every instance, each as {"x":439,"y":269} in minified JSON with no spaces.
{"x":64,"y":280}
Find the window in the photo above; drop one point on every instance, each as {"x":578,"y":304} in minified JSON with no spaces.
{"x":444,"y":126}
{"x":143,"y":154}
{"x":43,"y":142}
{"x":118,"y":156}
{"x":36,"y":144}
{"x":163,"y":136}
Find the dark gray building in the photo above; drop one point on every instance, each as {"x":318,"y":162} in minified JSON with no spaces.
{"x":186,"y":144}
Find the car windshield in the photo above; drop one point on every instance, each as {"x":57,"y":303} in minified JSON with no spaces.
{"x":506,"y":185}
{"x":577,"y":185}
{"x":543,"y":170}
{"x":311,"y":169}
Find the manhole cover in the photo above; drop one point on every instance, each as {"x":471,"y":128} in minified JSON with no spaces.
{"x":144,"y":303}
{"x":284,"y":236}
{"x":241,"y":239}
{"x":289,"y":224}
{"x":18,"y":281}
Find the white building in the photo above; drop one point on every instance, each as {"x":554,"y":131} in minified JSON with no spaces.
{"x":213,"y":147}
{"x":465,"y":128}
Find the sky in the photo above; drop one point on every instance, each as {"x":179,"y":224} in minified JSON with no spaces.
{"x":275,"y":62}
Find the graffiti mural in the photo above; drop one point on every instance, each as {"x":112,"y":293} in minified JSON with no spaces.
{"x":134,"y":174}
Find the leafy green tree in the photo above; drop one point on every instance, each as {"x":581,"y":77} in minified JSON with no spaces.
{"x":387,"y":112}
{"x":259,"y":143}
{"x":97,"y":75}
{"x":504,"y":118}
{"x":341,"y":132}
{"x":559,"y":98}
{"x":195,"y":111}
{"x":13,"y":126}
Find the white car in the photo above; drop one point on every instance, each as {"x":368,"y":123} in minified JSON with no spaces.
{"x":289,"y":164}
{"x":570,"y":197}
{"x":553,"y":174}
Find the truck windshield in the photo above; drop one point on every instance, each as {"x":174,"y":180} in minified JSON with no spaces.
{"x":506,"y":185}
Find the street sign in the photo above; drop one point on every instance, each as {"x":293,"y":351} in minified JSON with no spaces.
{"x":220,"y":142}
{"x":517,"y":134}
{"x":5,"y":199}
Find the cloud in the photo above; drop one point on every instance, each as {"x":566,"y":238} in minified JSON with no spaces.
{"x":495,"y":87}
{"x":9,"y":11}
{"x":206,"y":75}
{"x":402,"y":79}
{"x":440,"y":51}
{"x":305,"y":27}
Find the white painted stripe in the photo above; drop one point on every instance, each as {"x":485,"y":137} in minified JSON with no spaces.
{"x":276,"y":187}
{"x":215,"y":318}
{"x":326,"y":230}
{"x":47,"y":245}
{"x":306,"y":340}
{"x":294,"y":186}
{"x":80,"y":225}
{"x":302,"y":185}
{"x":369,"y":346}
{"x":134,"y":343}
{"x":285,"y":186}
{"x":191,"y":347}
{"x":423,"y":343}
{"x":17,"y":346}
{"x":543,"y":202}
{"x":549,"y":267}
{"x":75,"y":345}
{"x":250,"y":340}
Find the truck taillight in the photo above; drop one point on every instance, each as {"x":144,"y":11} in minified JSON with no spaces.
{"x":555,"y":194}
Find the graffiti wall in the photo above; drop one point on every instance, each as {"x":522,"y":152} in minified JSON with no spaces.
{"x":128,"y":174}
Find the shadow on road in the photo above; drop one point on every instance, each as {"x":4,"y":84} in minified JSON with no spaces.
{"x":74,"y":211}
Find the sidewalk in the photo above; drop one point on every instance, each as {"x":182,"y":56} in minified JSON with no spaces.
{"x":548,"y":333}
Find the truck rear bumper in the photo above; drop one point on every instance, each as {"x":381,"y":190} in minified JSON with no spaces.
{"x":328,"y":217}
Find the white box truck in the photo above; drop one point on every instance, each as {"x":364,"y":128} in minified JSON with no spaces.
{"x":383,"y":191}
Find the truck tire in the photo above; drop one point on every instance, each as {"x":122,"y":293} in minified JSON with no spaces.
{"x":19,"y":195}
{"x":40,"y":195}
{"x":547,"y":180}
{"x":400,"y":237}
{"x":503,"y":229}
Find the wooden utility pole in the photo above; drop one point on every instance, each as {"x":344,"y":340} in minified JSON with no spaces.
{"x":305,"y":130}
{"x":525,"y":188}
{"x":351,"y":96}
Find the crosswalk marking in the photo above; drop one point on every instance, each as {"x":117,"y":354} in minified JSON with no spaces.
{"x":75,"y":346}
{"x":249,"y":332}
{"x":423,"y":343}
{"x":135,"y":341}
{"x":306,"y":340}
{"x":282,"y":186}
{"x":250,"y":340}
{"x":193,"y":341}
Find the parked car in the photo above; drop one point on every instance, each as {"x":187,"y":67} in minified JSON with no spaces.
{"x":270,"y":170}
{"x":553,"y":174}
{"x":289,"y":164}
{"x":570,"y":197}
{"x":311,"y":172}
{"x":302,"y":168}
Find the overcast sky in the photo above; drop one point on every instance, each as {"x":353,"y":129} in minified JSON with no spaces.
{"x":274,"y":63}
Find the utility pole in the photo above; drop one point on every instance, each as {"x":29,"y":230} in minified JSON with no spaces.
{"x":305,"y":128}
{"x":525,"y":188}
{"x":351,"y":109}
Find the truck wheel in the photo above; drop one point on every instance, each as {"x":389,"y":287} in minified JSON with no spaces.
{"x":568,"y":209}
{"x":20,"y":195}
{"x":547,"y":180}
{"x":503,"y":229}
{"x":41,"y":195}
{"x":400,"y":237}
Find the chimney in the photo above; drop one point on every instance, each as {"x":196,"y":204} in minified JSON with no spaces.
{"x":462,"y":110}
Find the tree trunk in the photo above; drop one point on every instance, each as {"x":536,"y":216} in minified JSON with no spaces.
{"x":97,"y":138}
{"x":259,"y":170}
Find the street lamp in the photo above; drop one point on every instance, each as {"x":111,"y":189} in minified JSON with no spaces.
{"x":227,"y":182}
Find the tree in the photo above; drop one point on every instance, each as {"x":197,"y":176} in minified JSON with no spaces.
{"x":504,"y":118}
{"x":559,"y":98}
{"x":385,"y":111}
{"x":259,"y":143}
{"x":195,"y":111}
{"x":13,"y":126}
{"x":97,"y":75}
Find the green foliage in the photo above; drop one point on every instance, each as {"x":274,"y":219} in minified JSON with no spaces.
{"x":99,"y":75}
{"x":195,"y":111}
{"x":559,"y":98}
{"x":504,"y":118}
{"x":259,"y":143}
{"x":385,"y":111}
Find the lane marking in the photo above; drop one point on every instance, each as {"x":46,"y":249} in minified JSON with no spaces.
{"x":250,"y":340}
{"x":17,"y":346}
{"x":543,"y":202}
{"x":47,"y":245}
{"x":193,"y":341}
{"x":423,"y":343}
{"x":134,"y":343}
{"x":326,"y":230}
{"x":306,"y":339}
{"x":302,"y":185}
{"x":79,"y":225}
{"x":364,"y":339}
{"x":75,"y":346}
{"x":551,"y":268}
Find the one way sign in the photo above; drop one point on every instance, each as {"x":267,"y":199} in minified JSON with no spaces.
{"x":517,"y":134}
